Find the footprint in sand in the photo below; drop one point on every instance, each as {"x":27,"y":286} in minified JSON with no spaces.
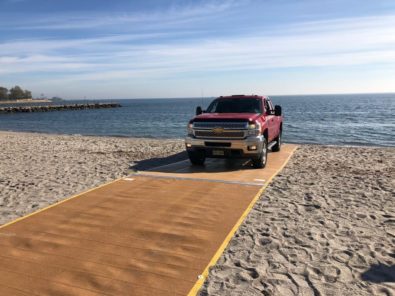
{"x":342,"y":256}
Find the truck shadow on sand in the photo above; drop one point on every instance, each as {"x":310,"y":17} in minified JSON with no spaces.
{"x":179,"y":162}
{"x":379,"y":273}
{"x":151,"y":163}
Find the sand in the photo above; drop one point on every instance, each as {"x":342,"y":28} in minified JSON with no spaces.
{"x":325,"y":226}
{"x":37,"y":170}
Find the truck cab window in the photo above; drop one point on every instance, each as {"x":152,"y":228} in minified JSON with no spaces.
{"x":268,"y":108}
{"x":233,"y":105}
{"x":271,"y":106}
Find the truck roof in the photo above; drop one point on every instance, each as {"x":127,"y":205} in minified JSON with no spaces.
{"x":242,"y":97}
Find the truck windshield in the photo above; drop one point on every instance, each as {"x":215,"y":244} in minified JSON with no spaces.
{"x":243,"y":105}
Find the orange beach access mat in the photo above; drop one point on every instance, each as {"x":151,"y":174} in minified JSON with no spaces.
{"x":141,"y":235}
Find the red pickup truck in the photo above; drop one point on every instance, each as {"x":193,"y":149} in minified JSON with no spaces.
{"x":238,"y":126}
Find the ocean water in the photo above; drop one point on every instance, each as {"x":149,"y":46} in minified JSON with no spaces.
{"x":367,"y":119}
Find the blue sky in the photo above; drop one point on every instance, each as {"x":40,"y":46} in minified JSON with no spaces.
{"x":140,"y":49}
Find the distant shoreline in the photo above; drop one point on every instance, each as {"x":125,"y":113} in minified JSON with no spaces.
{"x":24,"y":101}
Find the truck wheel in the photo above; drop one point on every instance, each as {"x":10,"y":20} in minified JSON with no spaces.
{"x":197,"y":157}
{"x":278,"y":140}
{"x":260,"y":163}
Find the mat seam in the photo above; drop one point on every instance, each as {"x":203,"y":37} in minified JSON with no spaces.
{"x":198,"y":179}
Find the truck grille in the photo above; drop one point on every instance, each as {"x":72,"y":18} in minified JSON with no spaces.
{"x":224,"y":125}
{"x":224,"y":134}
{"x":220,"y":129}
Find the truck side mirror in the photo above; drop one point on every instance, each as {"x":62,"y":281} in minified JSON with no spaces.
{"x":277,"y":110}
{"x":199,"y":110}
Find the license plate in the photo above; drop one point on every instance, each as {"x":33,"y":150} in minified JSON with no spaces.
{"x":218,"y":152}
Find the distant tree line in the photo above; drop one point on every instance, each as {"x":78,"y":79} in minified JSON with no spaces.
{"x":15,"y":93}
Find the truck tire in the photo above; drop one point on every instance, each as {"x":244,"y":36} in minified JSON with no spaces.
{"x":197,"y":157}
{"x":277,"y":147}
{"x":260,"y":163}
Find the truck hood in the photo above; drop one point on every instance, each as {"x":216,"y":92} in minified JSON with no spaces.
{"x":227,"y":117}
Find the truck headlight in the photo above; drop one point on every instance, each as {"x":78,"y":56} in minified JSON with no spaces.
{"x":254,"y":129}
{"x":190,"y":129}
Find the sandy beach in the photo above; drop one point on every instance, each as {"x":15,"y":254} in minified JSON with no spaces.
{"x":325,"y":226}
{"x":37,"y":170}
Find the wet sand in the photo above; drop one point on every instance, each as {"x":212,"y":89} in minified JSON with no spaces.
{"x":325,"y":226}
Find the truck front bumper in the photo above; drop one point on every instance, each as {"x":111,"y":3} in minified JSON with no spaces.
{"x":250,"y":147}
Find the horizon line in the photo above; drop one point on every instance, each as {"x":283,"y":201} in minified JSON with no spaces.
{"x":209,"y":97}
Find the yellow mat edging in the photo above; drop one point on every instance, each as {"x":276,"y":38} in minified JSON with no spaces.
{"x":58,"y":203}
{"x":202,"y":278}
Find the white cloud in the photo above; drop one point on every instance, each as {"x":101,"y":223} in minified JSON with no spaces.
{"x":144,"y":56}
{"x":174,"y":15}
{"x":361,"y":41}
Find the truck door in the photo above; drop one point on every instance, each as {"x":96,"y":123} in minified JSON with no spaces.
{"x":275,"y":121}
{"x":269,"y":112}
